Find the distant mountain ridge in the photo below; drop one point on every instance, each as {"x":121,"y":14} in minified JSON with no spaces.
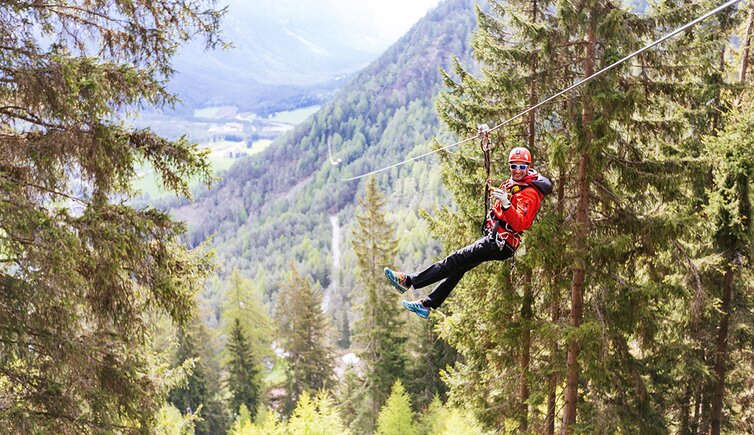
{"x":273,"y":208}
{"x":286,"y":50}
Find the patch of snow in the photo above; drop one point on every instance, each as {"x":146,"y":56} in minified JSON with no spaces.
{"x":227,"y":128}
{"x":350,"y":358}
{"x":310,"y":45}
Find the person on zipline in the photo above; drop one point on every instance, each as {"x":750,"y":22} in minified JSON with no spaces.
{"x":518,"y":200}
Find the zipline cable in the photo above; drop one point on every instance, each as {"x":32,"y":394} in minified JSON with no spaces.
{"x":411,"y":159}
{"x":570,"y":88}
{"x":616,"y":63}
{"x":329,"y":154}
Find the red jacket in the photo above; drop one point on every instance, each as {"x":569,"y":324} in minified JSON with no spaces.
{"x":525,"y":201}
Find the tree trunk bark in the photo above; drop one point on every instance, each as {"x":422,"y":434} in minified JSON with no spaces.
{"x":685,"y":412}
{"x":705,"y":417}
{"x":580,"y":234}
{"x":697,"y":412}
{"x":577,"y":300}
{"x":526,"y":308}
{"x":721,"y":355}
{"x":555,"y":311}
{"x":717,"y":115}
{"x":747,"y":44}
{"x":552,"y":387}
{"x":532,"y":86}
{"x":523,"y":392}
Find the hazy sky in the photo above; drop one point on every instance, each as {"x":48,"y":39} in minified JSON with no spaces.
{"x":391,"y":19}
{"x":395,"y":17}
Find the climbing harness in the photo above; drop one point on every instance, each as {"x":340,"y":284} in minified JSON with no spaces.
{"x":486,"y":144}
{"x":490,"y":223}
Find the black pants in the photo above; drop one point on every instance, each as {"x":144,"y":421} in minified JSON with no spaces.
{"x":454,"y":266}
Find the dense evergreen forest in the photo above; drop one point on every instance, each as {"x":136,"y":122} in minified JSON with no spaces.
{"x":629,"y":307}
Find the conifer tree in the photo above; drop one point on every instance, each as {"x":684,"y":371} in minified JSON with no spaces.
{"x":304,"y":418}
{"x":315,"y":415}
{"x":516,"y":44}
{"x":200,"y":393}
{"x":304,"y":332}
{"x":430,"y":355}
{"x":350,"y":396}
{"x":270,"y":425}
{"x":242,"y":304}
{"x":328,"y":413}
{"x":243,"y":381}
{"x":609,"y":146}
{"x":731,"y":152}
{"x":82,"y":272}
{"x":396,"y":416}
{"x":244,"y":416}
{"x":444,"y":420}
{"x":344,"y":341}
{"x":243,"y":301}
{"x":187,"y":398}
{"x":614,"y":231}
{"x":170,"y":421}
{"x":433,"y":418}
{"x":379,"y":333}
{"x":696,"y":91}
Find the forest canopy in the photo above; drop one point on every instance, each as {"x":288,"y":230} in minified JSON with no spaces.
{"x":83,"y":275}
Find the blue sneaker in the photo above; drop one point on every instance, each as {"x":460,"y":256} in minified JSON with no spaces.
{"x":397,"y":279}
{"x":417,"y":307}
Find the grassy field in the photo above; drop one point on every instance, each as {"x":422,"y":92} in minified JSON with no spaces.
{"x":259,"y":146}
{"x":148,"y":184}
{"x":221,"y":151}
{"x":295,"y":116}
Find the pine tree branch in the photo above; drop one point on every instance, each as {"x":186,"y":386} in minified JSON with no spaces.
{"x":16,"y":50}
{"x":19,"y":239}
{"x":44,"y":189}
{"x":696,"y":305}
{"x":29,"y":117}
{"x":75,"y":8}
{"x":83,"y":423}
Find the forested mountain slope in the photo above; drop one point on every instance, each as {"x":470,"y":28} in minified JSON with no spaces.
{"x":273,"y":208}
{"x":285,"y":54}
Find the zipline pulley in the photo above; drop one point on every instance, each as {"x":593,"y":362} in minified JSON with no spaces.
{"x":486,"y":144}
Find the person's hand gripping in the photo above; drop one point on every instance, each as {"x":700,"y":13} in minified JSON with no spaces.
{"x":501,"y":196}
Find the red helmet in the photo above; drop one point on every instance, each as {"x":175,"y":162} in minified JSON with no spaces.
{"x":520,"y":154}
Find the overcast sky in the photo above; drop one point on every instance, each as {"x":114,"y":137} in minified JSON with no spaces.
{"x":395,"y":17}
{"x":390,"y":19}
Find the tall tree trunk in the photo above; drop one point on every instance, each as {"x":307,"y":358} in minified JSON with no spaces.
{"x":532,"y":86}
{"x":721,"y":355}
{"x":705,"y":406}
{"x":747,"y":44}
{"x":717,"y":116}
{"x":526,"y":308}
{"x":580,"y":234}
{"x":553,"y":383}
{"x":523,"y":391}
{"x":697,"y":411}
{"x":685,"y":412}
{"x":555,"y":311}
{"x":577,"y":297}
